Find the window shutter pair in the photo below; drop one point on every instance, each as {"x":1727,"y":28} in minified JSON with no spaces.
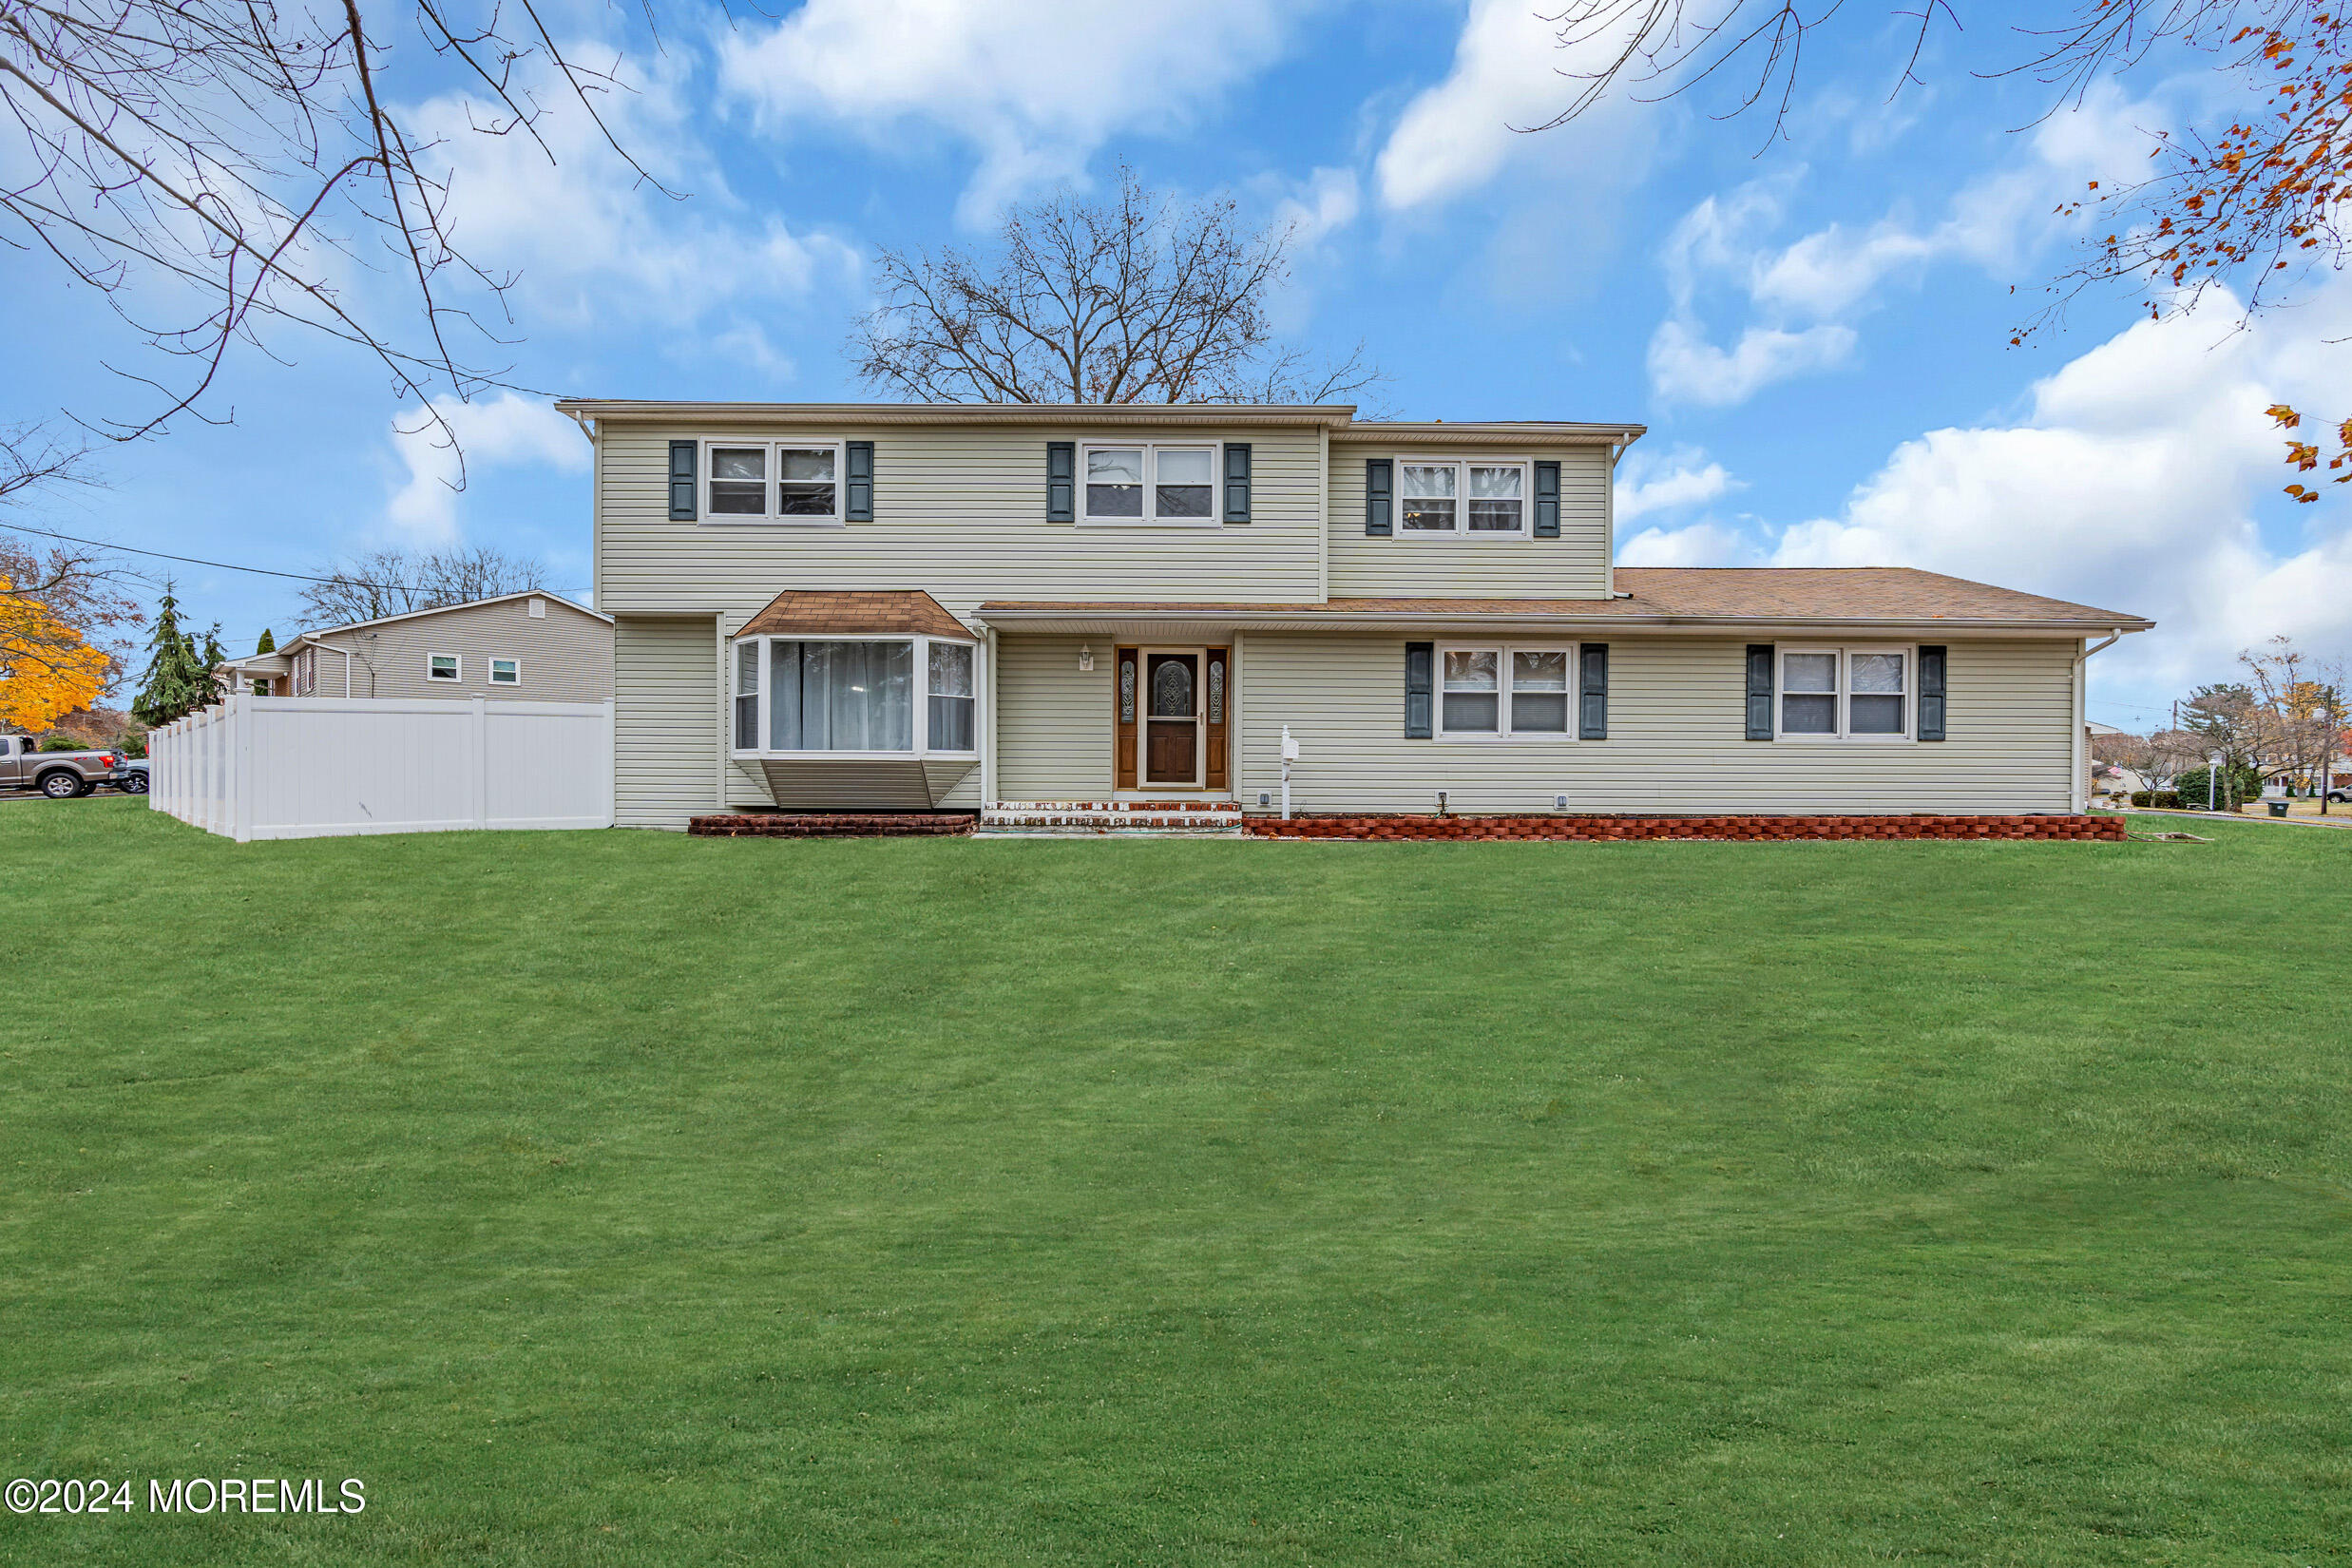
{"x":1932,"y":663}
{"x":858,"y":489}
{"x":1062,"y":482}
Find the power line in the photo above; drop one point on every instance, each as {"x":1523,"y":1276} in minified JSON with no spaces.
{"x":224,"y":566}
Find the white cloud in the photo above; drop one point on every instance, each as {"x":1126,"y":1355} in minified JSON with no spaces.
{"x":591,"y":241}
{"x":1806,"y":294}
{"x":2133,"y":485}
{"x":1035,"y":86}
{"x":1667,"y":482}
{"x":1697,"y":544}
{"x":1509,"y":70}
{"x":506,"y":430}
{"x":1326,"y":203}
{"x":1685,"y":368}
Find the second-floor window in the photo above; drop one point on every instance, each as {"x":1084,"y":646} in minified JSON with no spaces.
{"x":1485,"y":496}
{"x":1148,"y":482}
{"x":774,"y":482}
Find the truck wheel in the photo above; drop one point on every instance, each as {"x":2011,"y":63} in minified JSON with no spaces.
{"x":63,"y":785}
{"x":135,"y":784}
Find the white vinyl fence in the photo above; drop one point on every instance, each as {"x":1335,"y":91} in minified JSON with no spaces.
{"x":312,"y":767}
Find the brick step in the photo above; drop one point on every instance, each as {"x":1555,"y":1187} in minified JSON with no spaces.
{"x":1065,"y":808}
{"x":1218,"y":818}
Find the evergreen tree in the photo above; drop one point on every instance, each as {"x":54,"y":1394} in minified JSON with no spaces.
{"x":177,"y":683}
{"x":268,"y":642}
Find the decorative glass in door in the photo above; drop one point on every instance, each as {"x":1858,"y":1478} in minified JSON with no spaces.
{"x":1171,"y":728}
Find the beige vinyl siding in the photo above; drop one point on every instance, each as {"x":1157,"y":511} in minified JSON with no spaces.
{"x":1575,"y":565}
{"x":1052,"y":720}
{"x":1677,"y":722}
{"x":959,"y":513}
{"x":666,"y":734}
{"x":566,"y":656}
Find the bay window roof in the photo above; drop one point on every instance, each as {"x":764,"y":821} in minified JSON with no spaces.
{"x":806,"y":613}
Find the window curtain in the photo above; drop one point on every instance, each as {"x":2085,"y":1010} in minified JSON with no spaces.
{"x":841,"y":696}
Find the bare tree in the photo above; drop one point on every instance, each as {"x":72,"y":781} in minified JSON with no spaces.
{"x":1137,"y":298}
{"x":2171,"y":753}
{"x":397,"y":582}
{"x":248,"y":153}
{"x":2298,"y":707}
{"x":56,"y":600}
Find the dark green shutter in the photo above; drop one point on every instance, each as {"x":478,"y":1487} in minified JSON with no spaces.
{"x":1061,"y":482}
{"x":1759,"y":691}
{"x":1236,"y":481}
{"x":860,"y":499}
{"x":1592,"y":712}
{"x":682,"y":482}
{"x":1379,"y":476}
{"x":1547,"y":503}
{"x":1931,"y":693}
{"x":1420,"y":679}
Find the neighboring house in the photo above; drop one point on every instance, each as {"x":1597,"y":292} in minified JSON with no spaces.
{"x":525,"y":646}
{"x":828,"y":607}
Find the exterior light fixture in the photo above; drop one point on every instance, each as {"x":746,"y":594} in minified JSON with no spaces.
{"x":1086,"y":660}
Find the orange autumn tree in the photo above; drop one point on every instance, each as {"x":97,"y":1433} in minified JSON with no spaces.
{"x":2263,"y":202}
{"x":48,"y":666}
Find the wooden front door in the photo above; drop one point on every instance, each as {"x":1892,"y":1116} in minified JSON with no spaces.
{"x":1172,"y":719}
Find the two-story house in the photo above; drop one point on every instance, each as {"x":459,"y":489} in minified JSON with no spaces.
{"x":876,"y":608}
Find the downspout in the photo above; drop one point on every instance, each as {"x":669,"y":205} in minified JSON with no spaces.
{"x":2082,"y":719}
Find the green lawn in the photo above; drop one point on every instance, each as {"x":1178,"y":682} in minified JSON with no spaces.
{"x":630,"y":1199}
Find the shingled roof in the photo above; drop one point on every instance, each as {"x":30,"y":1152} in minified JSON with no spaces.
{"x":1678,"y":595}
{"x":800,"y":612}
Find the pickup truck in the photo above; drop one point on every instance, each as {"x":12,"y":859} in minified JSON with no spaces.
{"x":61,"y":776}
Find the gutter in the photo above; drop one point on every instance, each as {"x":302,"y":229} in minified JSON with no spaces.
{"x":2082,"y":739}
{"x":1079,"y":621}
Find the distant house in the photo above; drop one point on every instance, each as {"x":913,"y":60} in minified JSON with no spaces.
{"x":525,"y":646}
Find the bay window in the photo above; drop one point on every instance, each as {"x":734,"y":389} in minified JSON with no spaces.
{"x":1505,"y":691}
{"x":773,"y":482}
{"x":854,"y":695}
{"x":1845,"y":693}
{"x":1482,"y":496}
{"x":1148,"y":482}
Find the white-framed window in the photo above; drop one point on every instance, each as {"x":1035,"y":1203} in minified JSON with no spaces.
{"x":1503,"y":690}
{"x":855,"y":695}
{"x":445,"y":667}
{"x":1148,"y":482}
{"x":772,"y":482}
{"x":1845,"y":693}
{"x":506,"y":672}
{"x":1480,"y":497}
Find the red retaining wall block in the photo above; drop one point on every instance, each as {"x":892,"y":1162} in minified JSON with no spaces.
{"x":1394,"y":827}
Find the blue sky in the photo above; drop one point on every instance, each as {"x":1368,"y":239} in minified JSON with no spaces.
{"x":1815,"y":328}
